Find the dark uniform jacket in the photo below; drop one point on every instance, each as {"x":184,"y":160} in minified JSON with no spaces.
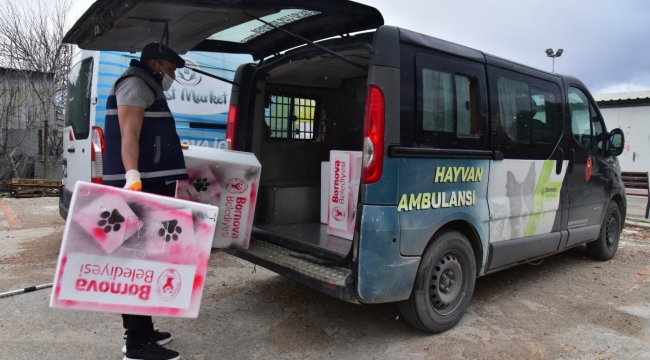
{"x":161,"y":155}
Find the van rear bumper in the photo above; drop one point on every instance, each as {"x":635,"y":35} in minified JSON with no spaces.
{"x":65,"y":196}
{"x":331,"y":280}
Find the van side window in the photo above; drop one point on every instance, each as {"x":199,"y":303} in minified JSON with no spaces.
{"x":449,"y":104}
{"x":526,"y":114}
{"x":437,"y":101}
{"x":514,"y":104}
{"x":290,"y":117}
{"x":597,"y":131}
{"x":586,"y":124}
{"x":545,"y":119}
{"x":466,"y":105}
{"x":77,"y":114}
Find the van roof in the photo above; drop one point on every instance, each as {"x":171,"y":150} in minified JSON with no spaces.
{"x":411,"y":37}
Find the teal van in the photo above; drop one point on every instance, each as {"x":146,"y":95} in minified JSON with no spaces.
{"x":471,"y":163}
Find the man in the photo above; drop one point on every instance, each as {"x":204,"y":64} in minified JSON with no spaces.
{"x":143,"y":153}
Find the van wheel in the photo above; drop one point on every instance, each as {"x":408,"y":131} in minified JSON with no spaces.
{"x":610,"y":232}
{"x":444,"y":284}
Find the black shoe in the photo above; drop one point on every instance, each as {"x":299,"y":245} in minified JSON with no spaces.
{"x":161,"y":338}
{"x":151,"y":351}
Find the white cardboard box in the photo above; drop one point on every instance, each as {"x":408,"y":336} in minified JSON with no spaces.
{"x":227,"y":179}
{"x":345,"y":176}
{"x":132,"y":252}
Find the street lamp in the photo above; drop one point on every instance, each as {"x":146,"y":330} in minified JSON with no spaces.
{"x":549,"y":53}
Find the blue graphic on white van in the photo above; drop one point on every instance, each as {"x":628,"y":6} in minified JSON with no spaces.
{"x":199,"y":103}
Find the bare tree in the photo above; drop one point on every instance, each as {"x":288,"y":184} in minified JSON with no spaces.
{"x":33,"y":89}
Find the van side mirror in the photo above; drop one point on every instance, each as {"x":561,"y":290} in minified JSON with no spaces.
{"x":616,"y":142}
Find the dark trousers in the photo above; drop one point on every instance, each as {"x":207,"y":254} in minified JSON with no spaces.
{"x":139,"y":328}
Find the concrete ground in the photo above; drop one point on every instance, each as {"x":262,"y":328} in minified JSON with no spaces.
{"x":569,"y":307}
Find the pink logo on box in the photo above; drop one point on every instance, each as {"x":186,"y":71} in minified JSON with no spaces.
{"x":168,"y":285}
{"x":338,"y":213}
{"x":236,"y":186}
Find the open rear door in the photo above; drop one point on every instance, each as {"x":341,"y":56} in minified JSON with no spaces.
{"x":228,"y":26}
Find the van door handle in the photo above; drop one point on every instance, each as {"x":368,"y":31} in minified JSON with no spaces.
{"x":71,"y":150}
{"x":560,"y":161}
{"x":572,"y":160}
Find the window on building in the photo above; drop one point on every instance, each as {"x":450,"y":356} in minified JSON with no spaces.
{"x":40,"y":142}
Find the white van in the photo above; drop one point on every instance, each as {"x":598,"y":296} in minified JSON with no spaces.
{"x":199,"y":104}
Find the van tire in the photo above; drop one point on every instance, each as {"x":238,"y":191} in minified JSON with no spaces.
{"x":610,"y":233}
{"x":435,"y":308}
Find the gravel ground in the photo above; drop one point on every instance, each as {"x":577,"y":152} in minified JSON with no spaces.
{"x":569,"y":307}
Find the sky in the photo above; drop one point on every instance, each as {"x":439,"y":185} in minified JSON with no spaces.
{"x":606,"y":43}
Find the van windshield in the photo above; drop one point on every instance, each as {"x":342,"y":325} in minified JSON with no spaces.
{"x":77,"y":111}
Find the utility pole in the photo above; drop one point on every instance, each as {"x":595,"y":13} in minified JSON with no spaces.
{"x":549,"y":53}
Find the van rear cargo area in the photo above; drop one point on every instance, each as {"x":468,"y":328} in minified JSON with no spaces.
{"x":309,"y":104}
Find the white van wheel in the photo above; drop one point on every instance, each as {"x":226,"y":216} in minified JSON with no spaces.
{"x":444,"y":284}
{"x":610,"y":232}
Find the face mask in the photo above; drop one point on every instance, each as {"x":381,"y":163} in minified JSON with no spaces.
{"x":167,"y":80}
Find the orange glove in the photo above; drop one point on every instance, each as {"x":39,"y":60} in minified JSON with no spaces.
{"x":133,"y":180}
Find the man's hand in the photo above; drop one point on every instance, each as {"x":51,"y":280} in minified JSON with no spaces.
{"x":133,"y":180}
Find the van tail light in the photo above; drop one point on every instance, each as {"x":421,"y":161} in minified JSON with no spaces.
{"x":70,"y":134}
{"x":373,"y":136}
{"x":96,"y":155}
{"x":231,"y":127}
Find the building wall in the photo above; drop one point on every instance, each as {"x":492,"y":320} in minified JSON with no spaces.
{"x":25,"y":105}
{"x":635,"y":123}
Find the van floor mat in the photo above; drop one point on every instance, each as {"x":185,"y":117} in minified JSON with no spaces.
{"x":285,"y":257}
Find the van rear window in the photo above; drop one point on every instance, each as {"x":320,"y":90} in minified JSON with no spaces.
{"x":77,"y":111}
{"x":290,"y":117}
